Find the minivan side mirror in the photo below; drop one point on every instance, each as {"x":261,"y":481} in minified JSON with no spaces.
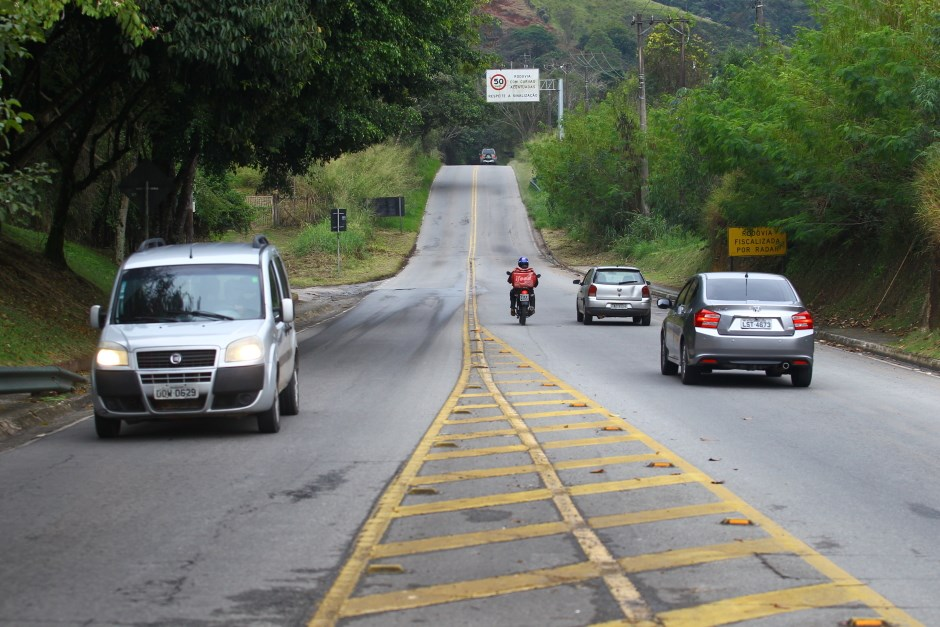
{"x":664,"y":303}
{"x":287,"y":310}
{"x":96,"y":316}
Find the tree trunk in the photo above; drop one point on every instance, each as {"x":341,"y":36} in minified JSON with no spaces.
{"x":55,"y":243}
{"x":184,"y":206}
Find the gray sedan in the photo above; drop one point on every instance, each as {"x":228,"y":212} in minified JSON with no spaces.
{"x":613,"y":292}
{"x":737,"y":321}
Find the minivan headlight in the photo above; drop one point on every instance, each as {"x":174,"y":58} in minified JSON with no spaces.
{"x":245,"y":349}
{"x":111,"y":354}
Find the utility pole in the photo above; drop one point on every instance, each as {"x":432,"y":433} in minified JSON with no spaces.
{"x":643,"y":27}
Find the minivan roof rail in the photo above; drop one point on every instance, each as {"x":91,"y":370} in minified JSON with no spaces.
{"x":153,"y":242}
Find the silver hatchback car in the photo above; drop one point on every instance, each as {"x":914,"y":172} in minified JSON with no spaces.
{"x":196,"y":330}
{"x":613,"y":292}
{"x":737,"y":321}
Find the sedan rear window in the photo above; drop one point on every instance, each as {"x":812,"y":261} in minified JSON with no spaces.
{"x":744,"y":289}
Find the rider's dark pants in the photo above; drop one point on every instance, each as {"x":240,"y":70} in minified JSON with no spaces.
{"x":514,"y":292}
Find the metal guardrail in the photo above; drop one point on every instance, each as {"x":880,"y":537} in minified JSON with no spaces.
{"x":38,"y":379}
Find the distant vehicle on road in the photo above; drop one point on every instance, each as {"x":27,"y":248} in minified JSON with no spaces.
{"x":488,"y":156}
{"x":613,"y":292}
{"x":196,"y":330}
{"x":737,"y":321}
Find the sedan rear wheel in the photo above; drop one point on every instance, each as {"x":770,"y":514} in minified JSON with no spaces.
{"x":689,"y":374}
{"x":801,"y":376}
{"x":578,"y":314}
{"x":665,"y":366}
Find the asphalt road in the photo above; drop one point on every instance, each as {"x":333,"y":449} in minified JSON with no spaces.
{"x":212,"y":523}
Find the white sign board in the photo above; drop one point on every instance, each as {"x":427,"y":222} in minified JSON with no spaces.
{"x":512,"y":85}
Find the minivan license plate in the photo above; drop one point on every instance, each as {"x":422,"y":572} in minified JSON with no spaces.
{"x":175,"y":392}
{"x":756,"y":323}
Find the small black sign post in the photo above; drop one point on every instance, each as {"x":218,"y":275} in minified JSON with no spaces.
{"x":338,"y":224}
{"x":146,"y":185}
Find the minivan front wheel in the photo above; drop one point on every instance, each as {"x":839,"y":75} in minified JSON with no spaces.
{"x":107,"y":428}
{"x":290,"y":396}
{"x":269,"y":421}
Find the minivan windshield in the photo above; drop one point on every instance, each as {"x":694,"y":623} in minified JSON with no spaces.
{"x":741,"y":289}
{"x":188,"y":292}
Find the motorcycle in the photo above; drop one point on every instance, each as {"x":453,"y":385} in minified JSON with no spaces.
{"x":523,"y":310}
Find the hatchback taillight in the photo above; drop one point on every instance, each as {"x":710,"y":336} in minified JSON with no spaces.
{"x":646,"y":291}
{"x":592,"y":291}
{"x":803,"y":320}
{"x":706,"y":319}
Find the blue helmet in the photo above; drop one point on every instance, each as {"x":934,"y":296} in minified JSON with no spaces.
{"x":523,"y":262}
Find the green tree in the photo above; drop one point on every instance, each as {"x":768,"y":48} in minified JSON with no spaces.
{"x":592,"y":175}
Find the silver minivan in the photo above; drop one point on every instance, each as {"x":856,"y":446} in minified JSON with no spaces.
{"x":195,"y":330}
{"x":737,"y":321}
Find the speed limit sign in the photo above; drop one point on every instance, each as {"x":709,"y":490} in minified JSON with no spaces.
{"x":513,"y":85}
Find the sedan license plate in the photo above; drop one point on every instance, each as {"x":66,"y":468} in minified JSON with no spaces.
{"x":756,"y":323}
{"x":175,"y":392}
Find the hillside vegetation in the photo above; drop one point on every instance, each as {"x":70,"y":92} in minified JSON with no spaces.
{"x":832,"y":140}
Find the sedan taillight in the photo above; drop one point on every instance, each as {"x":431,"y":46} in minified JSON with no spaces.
{"x":803,"y":320}
{"x":592,"y":291}
{"x":706,"y":319}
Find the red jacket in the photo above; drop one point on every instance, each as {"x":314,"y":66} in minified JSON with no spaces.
{"x":523,"y":277}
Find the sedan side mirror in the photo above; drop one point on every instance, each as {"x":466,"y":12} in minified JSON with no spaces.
{"x":577,"y":282}
{"x":664,"y":303}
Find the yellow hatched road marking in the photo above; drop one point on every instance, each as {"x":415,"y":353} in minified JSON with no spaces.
{"x":471,"y":421}
{"x":566,"y":412}
{"x":478,"y":452}
{"x":762,"y":605}
{"x":700,"y":555}
{"x":475,"y":589}
{"x":473,"y":502}
{"x":659,"y":515}
{"x":574,"y":426}
{"x":484,"y":473}
{"x":463,"y":540}
{"x":573,"y":464}
{"x":633,"y":484}
{"x":476,"y":435}
{"x":588,"y":442}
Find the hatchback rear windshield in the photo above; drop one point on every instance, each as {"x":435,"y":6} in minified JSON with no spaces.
{"x":615,"y":276}
{"x":744,"y":289}
{"x":188,"y":292}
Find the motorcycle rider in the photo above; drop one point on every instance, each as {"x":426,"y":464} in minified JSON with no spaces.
{"x":522,"y":276}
